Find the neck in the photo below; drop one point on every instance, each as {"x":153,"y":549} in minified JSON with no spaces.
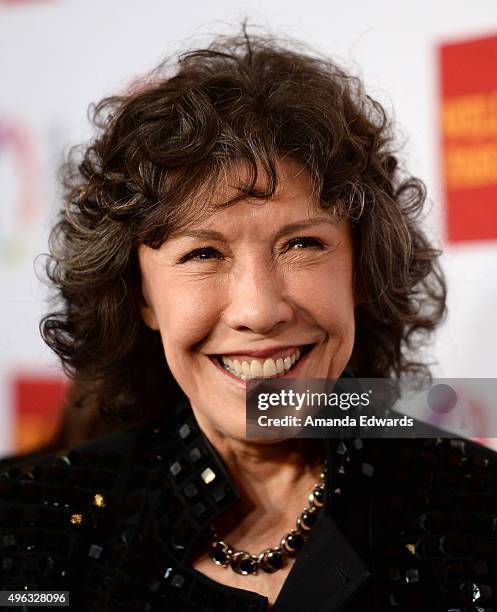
{"x":273,"y":479}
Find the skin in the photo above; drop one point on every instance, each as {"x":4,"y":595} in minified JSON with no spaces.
{"x":253,"y":288}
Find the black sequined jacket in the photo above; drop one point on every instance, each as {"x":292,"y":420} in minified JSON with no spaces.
{"x":407,"y":525}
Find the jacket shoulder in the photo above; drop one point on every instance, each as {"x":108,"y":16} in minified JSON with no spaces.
{"x":436,"y":514}
{"x":59,"y":512}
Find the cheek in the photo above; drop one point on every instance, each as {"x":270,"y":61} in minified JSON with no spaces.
{"x":327,"y":294}
{"x":186,"y":316}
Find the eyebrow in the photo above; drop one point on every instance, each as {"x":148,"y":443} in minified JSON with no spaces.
{"x":290,"y":228}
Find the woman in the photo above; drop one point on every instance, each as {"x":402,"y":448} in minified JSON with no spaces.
{"x":241,"y":215}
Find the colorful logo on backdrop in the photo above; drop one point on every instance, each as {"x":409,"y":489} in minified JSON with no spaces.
{"x":469,"y":137}
{"x":20,"y":181}
{"x":38,"y":402}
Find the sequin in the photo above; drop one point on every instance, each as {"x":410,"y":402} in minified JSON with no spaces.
{"x":184,"y":431}
{"x":470,"y":590}
{"x":190,"y":491}
{"x":175,"y":468}
{"x":195,"y":455}
{"x":219,"y":494}
{"x":412,"y":575}
{"x":99,"y":501}
{"x":393,"y":600}
{"x":367,"y":469}
{"x":64,"y":460}
{"x":441,"y":544}
{"x":199,"y":509}
{"x":76,"y":519}
{"x":49,"y":566}
{"x":95,"y":551}
{"x":358,"y":444}
{"x":9,"y":541}
{"x":208,"y":475}
{"x":182,"y":535}
{"x":27,"y":474}
{"x":178,"y":581}
{"x":126,"y":535}
{"x":411,"y":548}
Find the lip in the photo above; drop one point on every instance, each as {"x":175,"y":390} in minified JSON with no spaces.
{"x":295,"y":372}
{"x":279,"y":351}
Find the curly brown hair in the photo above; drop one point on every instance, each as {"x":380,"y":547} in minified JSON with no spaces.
{"x":161,"y":149}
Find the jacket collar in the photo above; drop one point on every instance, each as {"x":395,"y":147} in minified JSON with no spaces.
{"x":199,"y":489}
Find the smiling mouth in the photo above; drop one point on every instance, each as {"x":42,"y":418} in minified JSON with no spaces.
{"x":263,"y":368}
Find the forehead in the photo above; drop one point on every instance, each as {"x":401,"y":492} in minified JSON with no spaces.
{"x":294,"y":201}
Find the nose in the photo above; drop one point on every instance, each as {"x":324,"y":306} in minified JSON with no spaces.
{"x":256,"y":298}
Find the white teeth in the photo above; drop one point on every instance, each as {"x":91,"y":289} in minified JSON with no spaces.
{"x":237,"y":367}
{"x":269,"y":368}
{"x":246,"y":369}
{"x":256,"y":369}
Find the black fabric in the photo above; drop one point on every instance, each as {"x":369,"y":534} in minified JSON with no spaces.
{"x":407,"y":525}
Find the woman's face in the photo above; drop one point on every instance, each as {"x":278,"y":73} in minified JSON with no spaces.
{"x":256,"y":289}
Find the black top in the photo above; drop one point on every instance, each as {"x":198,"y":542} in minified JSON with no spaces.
{"x":407,"y":525}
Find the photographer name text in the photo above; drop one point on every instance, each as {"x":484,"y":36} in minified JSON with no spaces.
{"x":345,"y":421}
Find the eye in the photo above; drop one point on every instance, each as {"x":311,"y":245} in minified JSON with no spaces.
{"x":303,"y":242}
{"x":201,"y":254}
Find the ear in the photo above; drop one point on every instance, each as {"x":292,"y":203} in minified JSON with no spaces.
{"x":147,"y":310}
{"x":148,"y":315}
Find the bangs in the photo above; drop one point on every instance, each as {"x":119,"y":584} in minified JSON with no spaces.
{"x":194,"y":194}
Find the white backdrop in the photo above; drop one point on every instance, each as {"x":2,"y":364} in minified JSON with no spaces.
{"x":57,"y":56}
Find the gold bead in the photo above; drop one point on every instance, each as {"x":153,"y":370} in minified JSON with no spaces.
{"x":99,"y":501}
{"x":76,"y":519}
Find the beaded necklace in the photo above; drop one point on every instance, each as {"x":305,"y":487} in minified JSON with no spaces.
{"x":272,"y":559}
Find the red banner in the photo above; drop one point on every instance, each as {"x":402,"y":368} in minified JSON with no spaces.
{"x":38,"y":407}
{"x":468,"y":75}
